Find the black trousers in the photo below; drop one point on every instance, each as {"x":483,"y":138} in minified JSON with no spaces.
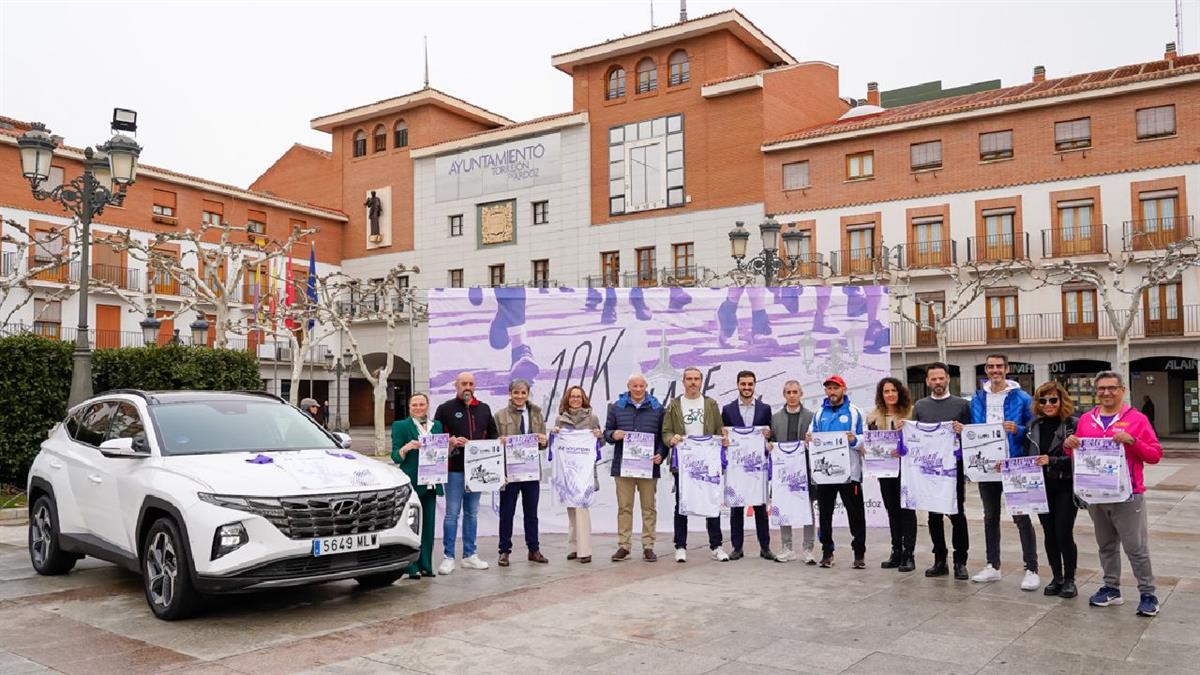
{"x":856,"y":514}
{"x":1059,"y":526}
{"x":958,"y":522}
{"x":528,"y":491}
{"x":713,"y":525}
{"x":991,"y":492}
{"x":737,"y":526}
{"x":902,"y":523}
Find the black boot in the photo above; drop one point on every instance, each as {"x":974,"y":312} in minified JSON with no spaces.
{"x":1068,"y":589}
{"x":907,"y":563}
{"x":960,"y":572}
{"x":939,"y":569}
{"x":893,"y":562}
{"x":1054,"y":586}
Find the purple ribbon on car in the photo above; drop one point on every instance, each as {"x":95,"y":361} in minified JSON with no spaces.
{"x":260,"y":459}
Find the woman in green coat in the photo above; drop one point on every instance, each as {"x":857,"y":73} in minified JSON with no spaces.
{"x":405,"y":449}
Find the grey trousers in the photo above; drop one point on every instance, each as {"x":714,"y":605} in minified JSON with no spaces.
{"x":785,"y":534}
{"x":1123,"y":525}
{"x":990,"y":492}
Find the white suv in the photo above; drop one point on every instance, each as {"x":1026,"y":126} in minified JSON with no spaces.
{"x":215,"y":492}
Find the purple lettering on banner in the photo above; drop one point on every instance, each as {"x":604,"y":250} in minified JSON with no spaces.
{"x":433,"y":464}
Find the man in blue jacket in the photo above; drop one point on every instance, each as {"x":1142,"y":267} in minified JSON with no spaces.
{"x":1003,"y":401}
{"x":635,"y":410}
{"x":838,"y":414}
{"x":747,"y":411}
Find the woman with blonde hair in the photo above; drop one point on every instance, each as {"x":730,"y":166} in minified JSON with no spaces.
{"x":1053,"y":422}
{"x":406,"y":447}
{"x":575,"y":414}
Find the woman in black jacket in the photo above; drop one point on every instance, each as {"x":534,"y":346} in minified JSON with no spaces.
{"x":1053,"y":422}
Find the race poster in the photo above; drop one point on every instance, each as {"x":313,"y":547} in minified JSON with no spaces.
{"x":573,"y":455}
{"x":1101,"y":474}
{"x":700,"y":479}
{"x":433,"y":462}
{"x":880,"y":459}
{"x":929,"y":473}
{"x":829,"y":457}
{"x":791,"y":504}
{"x":637,"y":455}
{"x":746,"y":470}
{"x":1024,"y":487}
{"x":483,"y":466}
{"x":522,"y":458}
{"x":983,"y":447}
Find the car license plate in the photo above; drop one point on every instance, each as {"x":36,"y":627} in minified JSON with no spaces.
{"x":344,"y":544}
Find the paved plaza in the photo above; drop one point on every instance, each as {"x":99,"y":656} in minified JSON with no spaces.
{"x":746,"y":616}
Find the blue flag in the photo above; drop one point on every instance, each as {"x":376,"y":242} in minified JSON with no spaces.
{"x":311,"y":290}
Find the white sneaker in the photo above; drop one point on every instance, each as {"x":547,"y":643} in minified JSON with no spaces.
{"x":474,"y":563}
{"x":809,"y":559}
{"x":785,"y":555}
{"x":1031,"y":582}
{"x":987,"y":574}
{"x":681,"y":555}
{"x":447,"y":566}
{"x":720,"y":555}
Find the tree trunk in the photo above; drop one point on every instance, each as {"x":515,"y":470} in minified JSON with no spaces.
{"x":220,"y":341}
{"x":1122,"y":363}
{"x":941,"y":333}
{"x":297,"y":369}
{"x":380,"y":390}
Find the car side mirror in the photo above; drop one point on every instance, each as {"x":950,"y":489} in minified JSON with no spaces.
{"x":122,"y":447}
{"x":343,"y":440}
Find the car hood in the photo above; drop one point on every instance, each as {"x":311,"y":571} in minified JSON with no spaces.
{"x":292,"y":472}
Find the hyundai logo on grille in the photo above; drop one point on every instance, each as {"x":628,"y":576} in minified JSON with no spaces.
{"x":346,"y":507}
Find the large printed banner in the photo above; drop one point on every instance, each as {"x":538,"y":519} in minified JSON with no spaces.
{"x":596,"y":338}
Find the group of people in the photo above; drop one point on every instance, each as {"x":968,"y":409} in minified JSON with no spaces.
{"x":1045,"y":425}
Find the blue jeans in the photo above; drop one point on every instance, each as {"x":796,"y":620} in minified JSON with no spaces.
{"x":458,"y":500}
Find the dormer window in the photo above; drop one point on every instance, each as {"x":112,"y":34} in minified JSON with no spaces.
{"x":616,"y":84}
{"x":678,"y":68}
{"x":647,"y":74}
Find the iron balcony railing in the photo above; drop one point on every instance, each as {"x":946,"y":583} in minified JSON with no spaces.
{"x":1063,"y":242}
{"x":917,"y":255}
{"x":858,"y":261}
{"x":681,"y":275}
{"x":998,"y":247}
{"x":1155,"y":233}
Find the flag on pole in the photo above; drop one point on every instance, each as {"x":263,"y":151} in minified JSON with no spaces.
{"x":311,"y":290}
{"x":257,"y":293}
{"x":271,"y":295}
{"x":289,"y":294}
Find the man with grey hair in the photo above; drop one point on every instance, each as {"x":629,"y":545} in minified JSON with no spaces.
{"x":636,"y":410}
{"x":791,"y":424}
{"x":693,"y":414}
{"x":520,"y":417}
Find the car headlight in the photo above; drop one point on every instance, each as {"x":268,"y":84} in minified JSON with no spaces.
{"x":228,"y":538}
{"x":259,"y":506}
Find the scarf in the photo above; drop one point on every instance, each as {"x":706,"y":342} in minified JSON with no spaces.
{"x":423,"y":425}
{"x":574,"y":418}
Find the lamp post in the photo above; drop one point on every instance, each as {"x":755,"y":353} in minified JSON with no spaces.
{"x":338,"y":366}
{"x":108,"y":171}
{"x":768,"y":263}
{"x":150,"y":326}
{"x":199,"y":329}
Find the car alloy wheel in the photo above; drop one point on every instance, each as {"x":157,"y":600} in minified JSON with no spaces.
{"x":162,"y":570}
{"x":41,"y":534}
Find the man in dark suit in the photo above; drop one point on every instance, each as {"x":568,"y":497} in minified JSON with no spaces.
{"x":747,"y":411}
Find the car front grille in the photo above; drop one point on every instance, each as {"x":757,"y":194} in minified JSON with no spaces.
{"x":311,"y":516}
{"x":309,"y":565}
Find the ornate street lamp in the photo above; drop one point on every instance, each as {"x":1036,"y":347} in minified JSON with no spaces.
{"x":199,"y":331}
{"x":108,"y":171}
{"x":338,"y":366}
{"x":150,"y":326}
{"x":767,"y":263}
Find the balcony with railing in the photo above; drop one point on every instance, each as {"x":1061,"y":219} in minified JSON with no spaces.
{"x":998,"y":247}
{"x":807,"y":266}
{"x":116,"y":276}
{"x":1155,"y":233}
{"x":640,"y":279}
{"x":1064,"y":242}
{"x":927,"y":254}
{"x":858,"y":261}
{"x":681,"y":275}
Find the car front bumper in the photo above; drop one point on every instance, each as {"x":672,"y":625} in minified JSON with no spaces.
{"x":306,"y":569}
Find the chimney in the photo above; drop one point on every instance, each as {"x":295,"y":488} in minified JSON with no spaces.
{"x":1170,"y":54}
{"x":1039,"y":73}
{"x":873,"y":93}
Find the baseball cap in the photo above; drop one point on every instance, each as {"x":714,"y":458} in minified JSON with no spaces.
{"x":836,"y":379}
{"x":309,"y":403}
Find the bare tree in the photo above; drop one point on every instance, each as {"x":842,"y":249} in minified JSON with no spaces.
{"x":35,"y":255}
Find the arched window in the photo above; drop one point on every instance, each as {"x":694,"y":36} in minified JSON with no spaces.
{"x":360,"y":143}
{"x":400,"y":135}
{"x":616,"y":83}
{"x":647,"y":74}
{"x":679,"y":71}
{"x":380,"y":138}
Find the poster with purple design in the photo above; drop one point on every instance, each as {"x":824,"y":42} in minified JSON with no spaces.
{"x":880,"y":459}
{"x":1101,"y":473}
{"x":700,"y":476}
{"x":433,"y":464}
{"x":929,"y":474}
{"x":1024,"y":487}
{"x":598,"y":337}
{"x":573,"y":454}
{"x":522,"y":459}
{"x":746,"y":473}
{"x":637,"y":455}
{"x":791,"y":504}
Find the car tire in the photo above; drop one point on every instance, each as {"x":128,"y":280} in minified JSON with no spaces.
{"x":167,"y":572}
{"x":44,"y":552}
{"x":380,"y":579}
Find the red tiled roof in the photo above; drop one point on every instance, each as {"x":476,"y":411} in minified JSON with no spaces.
{"x":316,"y":151}
{"x":411,"y":93}
{"x":1073,"y":84}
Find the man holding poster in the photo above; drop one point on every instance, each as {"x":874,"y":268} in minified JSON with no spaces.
{"x":632,"y":425}
{"x":748,"y":411}
{"x":790,"y":425}
{"x":939,"y":407}
{"x":1002,"y":401}
{"x":523,"y":428}
{"x":465,"y":418}
{"x":1122,"y":523}
{"x":838,"y":415}
{"x":692,"y":414}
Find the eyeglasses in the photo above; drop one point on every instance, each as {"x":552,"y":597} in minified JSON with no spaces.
{"x":1048,"y":399}
{"x":1108,"y":388}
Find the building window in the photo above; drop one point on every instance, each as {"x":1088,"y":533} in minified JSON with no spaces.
{"x":1161,"y":306}
{"x":1158,"y":225}
{"x":861,"y":254}
{"x":926,"y":155}
{"x":496,"y":275}
{"x":211,"y":218}
{"x":995,"y":145}
{"x":928,"y":242}
{"x":360,"y":143}
{"x":860,"y":165}
{"x":616,"y":83}
{"x":647,"y":74}
{"x":380,"y":137}
{"x":1079,"y":313}
{"x":456,"y":278}
{"x":930,"y":307}
{"x":685,"y":260}
{"x":47,"y":318}
{"x":541,"y":273}
{"x":1156,"y":122}
{"x":1073,"y":134}
{"x":164,"y":203}
{"x":55,"y":179}
{"x":1002,"y":316}
{"x":256,"y":222}
{"x":1000,"y":240}
{"x":400,"y":135}
{"x":646,"y":264}
{"x":795,"y":175}
{"x":645,"y":165}
{"x":456,"y":225}
{"x":679,"y":70}
{"x":1074,"y":233}
{"x":610,"y":268}
{"x":541,"y":213}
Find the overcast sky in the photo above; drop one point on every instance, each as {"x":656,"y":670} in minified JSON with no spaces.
{"x":223,"y":88}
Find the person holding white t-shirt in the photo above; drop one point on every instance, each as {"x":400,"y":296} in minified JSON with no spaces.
{"x":693,"y":414}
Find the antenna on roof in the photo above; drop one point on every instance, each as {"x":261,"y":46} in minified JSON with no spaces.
{"x":1179,"y":25}
{"x":682,"y":11}
{"x":651,"y":14}
{"x":426,"y":61}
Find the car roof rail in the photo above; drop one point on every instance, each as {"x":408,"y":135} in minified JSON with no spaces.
{"x":265,"y":394}
{"x":131,"y":392}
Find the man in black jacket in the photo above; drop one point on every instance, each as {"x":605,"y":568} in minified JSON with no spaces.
{"x":464,"y":418}
{"x":747,"y":411}
{"x":635,"y":410}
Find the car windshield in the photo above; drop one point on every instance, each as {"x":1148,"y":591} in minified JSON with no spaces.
{"x":216,"y":426}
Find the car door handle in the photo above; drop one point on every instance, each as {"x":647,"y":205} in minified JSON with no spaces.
{"x":55,"y":464}
{"x":95,"y":478}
